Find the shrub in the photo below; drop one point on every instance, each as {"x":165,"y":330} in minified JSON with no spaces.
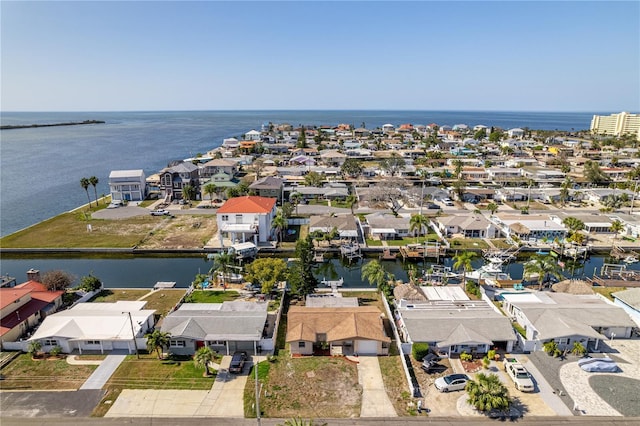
{"x":465,"y":356}
{"x":578,"y":349}
{"x":491,"y":354}
{"x":33,"y":348}
{"x":486,"y":362}
{"x":55,"y":351}
{"x":551,"y":348}
{"x":419,"y":351}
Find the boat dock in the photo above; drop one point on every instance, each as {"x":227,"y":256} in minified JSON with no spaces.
{"x":350,"y":251}
{"x":164,"y":284}
{"x":420,"y":251}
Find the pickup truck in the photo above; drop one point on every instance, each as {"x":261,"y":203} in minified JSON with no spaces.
{"x":520,"y":376}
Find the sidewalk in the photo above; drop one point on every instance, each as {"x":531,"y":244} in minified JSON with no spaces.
{"x":104,"y":371}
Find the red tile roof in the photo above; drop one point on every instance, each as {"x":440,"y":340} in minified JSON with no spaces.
{"x":10,"y":295}
{"x":248,"y":204}
{"x":33,"y":285}
{"x":39,"y":291}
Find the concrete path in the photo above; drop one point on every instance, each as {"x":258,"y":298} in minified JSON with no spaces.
{"x":375,"y":401}
{"x":224,"y":399}
{"x":104,"y":371}
{"x":71,"y":360}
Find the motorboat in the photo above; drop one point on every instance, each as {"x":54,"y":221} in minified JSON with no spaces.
{"x":493,"y":270}
{"x":630,"y":259}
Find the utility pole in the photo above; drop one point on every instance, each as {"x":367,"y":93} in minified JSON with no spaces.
{"x":133,"y":334}
{"x":633,"y":198}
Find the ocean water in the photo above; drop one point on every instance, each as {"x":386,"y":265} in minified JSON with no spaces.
{"x":41,"y":168}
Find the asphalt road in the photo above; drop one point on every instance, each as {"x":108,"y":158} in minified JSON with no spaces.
{"x":62,"y":404}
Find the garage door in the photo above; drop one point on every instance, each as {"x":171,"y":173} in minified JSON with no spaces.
{"x":241,"y":346}
{"x":367,"y":347}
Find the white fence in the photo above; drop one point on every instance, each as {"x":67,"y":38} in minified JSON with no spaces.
{"x":414,"y":390}
{"x":20,"y":345}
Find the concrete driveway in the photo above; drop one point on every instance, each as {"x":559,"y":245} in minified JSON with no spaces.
{"x":224,"y":399}
{"x":375,"y":401}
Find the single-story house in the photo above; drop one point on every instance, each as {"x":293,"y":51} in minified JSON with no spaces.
{"x":472,"y":226}
{"x":566,"y":319}
{"x":629,"y":300}
{"x":387,"y":226}
{"x":455,"y":326}
{"x":96,"y":327}
{"x":530,"y":228}
{"x":224,"y":327}
{"x":345,"y":225}
{"x":341,"y":331}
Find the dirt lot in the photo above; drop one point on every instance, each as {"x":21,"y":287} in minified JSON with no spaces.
{"x":181,"y":231}
{"x":440,"y":404}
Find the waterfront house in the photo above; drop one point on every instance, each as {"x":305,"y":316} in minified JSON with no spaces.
{"x":252,"y":135}
{"x":230,"y":143}
{"x":565,"y":319}
{"x":454,"y":326}
{"x":515,"y":133}
{"x":345,"y":225}
{"x":222,"y":181}
{"x":219,"y":165}
{"x":224,"y":327}
{"x":247,"y":217}
{"x":268,"y":186}
{"x":174,"y":178}
{"x":473,"y":226}
{"x":629,"y":300}
{"x":96,"y":327}
{"x":386,"y":226}
{"x":24,"y":306}
{"x":530,"y":228}
{"x":127,"y":185}
{"x":338,"y":331}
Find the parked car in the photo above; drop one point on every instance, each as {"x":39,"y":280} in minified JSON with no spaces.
{"x":160,"y":212}
{"x":429,"y":361}
{"x":519,"y":374}
{"x":115,"y":204}
{"x":237,"y":362}
{"x":452,"y":382}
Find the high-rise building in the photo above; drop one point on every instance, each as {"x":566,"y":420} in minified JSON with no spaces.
{"x":616,"y":124}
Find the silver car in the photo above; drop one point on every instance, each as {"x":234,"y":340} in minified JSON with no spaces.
{"x":452,"y":382}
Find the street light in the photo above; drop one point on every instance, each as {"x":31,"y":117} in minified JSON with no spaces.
{"x":133,"y":334}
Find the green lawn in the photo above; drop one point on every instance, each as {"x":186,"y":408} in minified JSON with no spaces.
{"x":468,"y":243}
{"x":23,"y":373}
{"x":374,"y":243}
{"x":606,"y":291}
{"x":210,"y":296}
{"x":163,"y":300}
{"x":413,"y":240}
{"x":114,"y":295}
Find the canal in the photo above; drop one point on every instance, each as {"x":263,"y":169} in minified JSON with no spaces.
{"x":144,"y":272}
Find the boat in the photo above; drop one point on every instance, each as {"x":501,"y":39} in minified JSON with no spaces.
{"x":332,"y":284}
{"x":493,"y":270}
{"x":438,"y":274}
{"x":630,"y":259}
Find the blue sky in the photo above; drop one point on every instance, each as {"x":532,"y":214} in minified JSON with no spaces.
{"x":520,"y":56}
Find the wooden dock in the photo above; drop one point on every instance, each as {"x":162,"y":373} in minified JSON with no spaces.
{"x":387,"y":255}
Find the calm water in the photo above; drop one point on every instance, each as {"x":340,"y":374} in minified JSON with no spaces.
{"x":40,"y":169}
{"x":145,"y":272}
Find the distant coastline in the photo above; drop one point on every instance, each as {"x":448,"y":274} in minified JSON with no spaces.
{"x":31,"y":126}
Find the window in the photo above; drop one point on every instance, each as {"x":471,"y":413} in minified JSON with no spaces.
{"x":176,"y":344}
{"x":302,"y":344}
{"x":216,"y":343}
{"x":92,"y":342}
{"x":238,"y":218}
{"x":225,"y":217}
{"x":50,"y":342}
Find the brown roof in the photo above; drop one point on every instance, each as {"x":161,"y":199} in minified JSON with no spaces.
{"x":572,"y":287}
{"x":519,"y":228}
{"x":408,"y":292}
{"x":363,"y":322}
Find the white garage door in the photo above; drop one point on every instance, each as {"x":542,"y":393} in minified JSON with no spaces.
{"x":367,"y":347}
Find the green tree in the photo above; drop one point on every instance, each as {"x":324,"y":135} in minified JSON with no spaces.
{"x":84,"y":183}
{"x":266,"y":272}
{"x":419,"y":350}
{"x":210,"y":189}
{"x":418,"y":223}
{"x":543,"y":267}
{"x":295,"y":199}
{"x":480,"y":134}
{"x":33,"y":348}
{"x":351,"y":200}
{"x":202,"y":358}
{"x":574,"y":224}
{"x":488,"y":393}
{"x":280,"y":223}
{"x":492,"y":207}
{"x":392,"y":165}
{"x":188,"y":192}
{"x":616,"y":227}
{"x":462,"y":260}
{"x":495,"y":135}
{"x":593,"y":173}
{"x":156,"y":341}
{"x":375,"y":274}
{"x":221,"y":264}
{"x":301,"y":277}
{"x":94,"y":182}
{"x":313,"y":179}
{"x":90,"y":283}
{"x":351,"y":167}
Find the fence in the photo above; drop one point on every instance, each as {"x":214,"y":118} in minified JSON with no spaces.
{"x":413,"y":385}
{"x":276,"y":326}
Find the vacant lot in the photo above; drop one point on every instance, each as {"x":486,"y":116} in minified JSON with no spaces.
{"x":69,"y":230}
{"x":23,"y":373}
{"x":310,"y":387}
{"x":395,"y":382}
{"x":163,"y":300}
{"x":115,"y":294}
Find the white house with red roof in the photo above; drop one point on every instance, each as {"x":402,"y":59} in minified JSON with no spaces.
{"x":247,"y":218}
{"x":24,"y":306}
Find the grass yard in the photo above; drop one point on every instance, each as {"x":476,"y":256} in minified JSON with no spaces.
{"x":366,"y":298}
{"x":468,"y":243}
{"x":116,"y":294}
{"x":606,"y":291}
{"x":210,"y":296}
{"x":307,"y":387}
{"x":395,"y":382}
{"x":23,"y":373}
{"x":413,"y":240}
{"x":163,"y":300}
{"x":374,"y":243}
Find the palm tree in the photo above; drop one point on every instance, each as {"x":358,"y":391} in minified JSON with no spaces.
{"x":94,"y":182}
{"x":616,"y":227}
{"x":156,"y":341}
{"x":351,"y":201}
{"x":84,"y":183}
{"x":188,"y":192}
{"x":417,"y":223}
{"x":543,"y":266}
{"x":34,"y":347}
{"x":280,"y":223}
{"x":493,"y":208}
{"x":462,"y":260}
{"x":376,"y":275}
{"x":210,"y":189}
{"x":202,"y":358}
{"x":221,"y":263}
{"x":488,"y":393}
{"x":295,"y":199}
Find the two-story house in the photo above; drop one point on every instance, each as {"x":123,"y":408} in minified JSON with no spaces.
{"x":268,"y":186}
{"x":174,"y":178}
{"x":246,"y":218}
{"x":219,"y":165}
{"x":127,"y":185}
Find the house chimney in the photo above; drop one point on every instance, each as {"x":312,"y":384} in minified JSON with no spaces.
{"x":33,"y":275}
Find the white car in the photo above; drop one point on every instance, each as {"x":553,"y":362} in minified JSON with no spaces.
{"x":160,"y":212}
{"x":115,"y":204}
{"x":452,"y":382}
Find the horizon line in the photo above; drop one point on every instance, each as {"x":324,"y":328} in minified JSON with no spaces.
{"x":312,"y":110}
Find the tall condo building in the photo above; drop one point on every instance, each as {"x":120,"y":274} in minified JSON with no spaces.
{"x":616,"y":124}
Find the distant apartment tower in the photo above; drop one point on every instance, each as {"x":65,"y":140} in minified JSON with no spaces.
{"x":616,"y":124}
